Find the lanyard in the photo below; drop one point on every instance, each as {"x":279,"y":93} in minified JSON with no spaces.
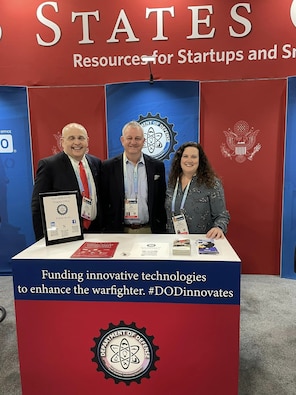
{"x":183,"y":198}
{"x":135,"y":177}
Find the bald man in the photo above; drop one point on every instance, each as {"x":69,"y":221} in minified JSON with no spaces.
{"x":60,"y":173}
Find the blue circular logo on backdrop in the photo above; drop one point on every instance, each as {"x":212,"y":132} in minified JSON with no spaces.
{"x":159,"y":136}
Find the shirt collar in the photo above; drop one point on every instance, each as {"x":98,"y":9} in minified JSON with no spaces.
{"x":141,"y":160}
{"x":76,"y":162}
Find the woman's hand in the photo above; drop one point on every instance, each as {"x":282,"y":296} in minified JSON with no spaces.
{"x":215,"y":233}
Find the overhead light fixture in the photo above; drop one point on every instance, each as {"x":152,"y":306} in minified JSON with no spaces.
{"x":148,"y":59}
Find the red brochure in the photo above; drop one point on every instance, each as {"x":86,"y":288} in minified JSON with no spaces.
{"x":104,"y":249}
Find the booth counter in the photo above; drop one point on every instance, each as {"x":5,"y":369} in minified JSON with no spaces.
{"x":143,"y":321}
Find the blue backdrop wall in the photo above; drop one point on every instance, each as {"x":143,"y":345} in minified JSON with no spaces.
{"x":167,"y":110}
{"x":16,"y":180}
{"x":289,"y":201}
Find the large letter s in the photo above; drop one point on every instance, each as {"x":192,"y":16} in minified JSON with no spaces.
{"x":48,"y":23}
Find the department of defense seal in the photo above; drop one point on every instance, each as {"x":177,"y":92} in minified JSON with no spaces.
{"x":159,"y":136}
{"x":125,"y":353}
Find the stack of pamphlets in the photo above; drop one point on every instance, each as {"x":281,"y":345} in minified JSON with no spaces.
{"x":181,"y":247}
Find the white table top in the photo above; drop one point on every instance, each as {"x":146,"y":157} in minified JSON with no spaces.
{"x":128,"y":246}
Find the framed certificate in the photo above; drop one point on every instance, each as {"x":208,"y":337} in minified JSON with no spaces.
{"x":61,"y":219}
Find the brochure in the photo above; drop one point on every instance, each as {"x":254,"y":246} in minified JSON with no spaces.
{"x":105,"y":249}
{"x":150,"y":250}
{"x":206,"y":246}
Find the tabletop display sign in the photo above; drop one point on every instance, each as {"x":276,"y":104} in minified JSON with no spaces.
{"x":60,"y":217}
{"x":90,"y":249}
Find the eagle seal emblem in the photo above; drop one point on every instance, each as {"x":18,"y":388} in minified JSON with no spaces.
{"x":240,"y":142}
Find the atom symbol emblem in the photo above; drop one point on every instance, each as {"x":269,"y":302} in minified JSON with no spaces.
{"x":159,"y":136}
{"x":153,"y":140}
{"x":125,"y":354}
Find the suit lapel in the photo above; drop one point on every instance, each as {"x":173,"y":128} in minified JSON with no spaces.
{"x":120,"y":176}
{"x":150,"y":180}
{"x":69,"y":175}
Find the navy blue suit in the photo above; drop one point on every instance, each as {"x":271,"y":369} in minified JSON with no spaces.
{"x":113,"y":194}
{"x":55,"y":173}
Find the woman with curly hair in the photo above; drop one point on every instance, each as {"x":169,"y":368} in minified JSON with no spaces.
{"x":195,"y":200}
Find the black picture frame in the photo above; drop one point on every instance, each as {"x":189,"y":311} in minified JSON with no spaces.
{"x":61,"y":220}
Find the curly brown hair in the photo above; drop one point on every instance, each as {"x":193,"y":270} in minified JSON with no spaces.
{"x":205,"y":173}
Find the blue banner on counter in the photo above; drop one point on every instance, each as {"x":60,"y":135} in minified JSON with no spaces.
{"x":289,"y":207}
{"x":16,"y":231}
{"x":167,"y":110}
{"x":127,"y":281}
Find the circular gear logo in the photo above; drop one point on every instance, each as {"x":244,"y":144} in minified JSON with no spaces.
{"x":125,"y":353}
{"x":62,"y":209}
{"x":159,"y":136}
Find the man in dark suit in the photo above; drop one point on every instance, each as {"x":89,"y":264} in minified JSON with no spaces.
{"x":133,"y":187}
{"x":61,"y":172}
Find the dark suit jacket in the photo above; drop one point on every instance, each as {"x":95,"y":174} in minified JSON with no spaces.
{"x":113,"y":194}
{"x":55,"y":174}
